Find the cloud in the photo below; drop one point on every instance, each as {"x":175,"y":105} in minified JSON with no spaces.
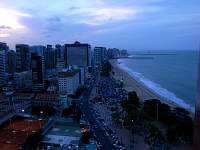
{"x":102,"y":16}
{"x":74,"y":8}
{"x":3,"y":35}
{"x":54,"y":19}
{"x":10,"y":18}
{"x":2,"y":27}
{"x":102,"y":20}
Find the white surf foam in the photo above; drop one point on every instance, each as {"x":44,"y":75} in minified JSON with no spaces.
{"x":167,"y":95}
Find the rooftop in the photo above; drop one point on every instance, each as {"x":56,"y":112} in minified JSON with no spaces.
{"x":68,"y":73}
{"x":15,"y":133}
{"x":63,"y":134}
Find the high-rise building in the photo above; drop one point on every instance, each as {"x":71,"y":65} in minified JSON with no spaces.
{"x":100,"y":55}
{"x":37,"y":64}
{"x":23,"y":58}
{"x":11,"y":62}
{"x":113,"y":53}
{"x":123,"y":53}
{"x":77,"y":54}
{"x":68,"y":81}
{"x":50,"y":57}
{"x":59,"y":57}
{"x":38,"y":49}
{"x":3,"y":52}
{"x":58,"y":49}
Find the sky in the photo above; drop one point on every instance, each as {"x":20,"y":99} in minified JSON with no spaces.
{"x":124,"y":24}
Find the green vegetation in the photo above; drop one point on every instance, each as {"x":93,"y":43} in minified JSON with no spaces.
{"x":67,"y":112}
{"x":180,"y":127}
{"x":131,"y":106}
{"x":73,"y":112}
{"x":113,"y":109}
{"x":98,"y":98}
{"x":177,"y":123}
{"x":115,"y":116}
{"x":106,"y":69}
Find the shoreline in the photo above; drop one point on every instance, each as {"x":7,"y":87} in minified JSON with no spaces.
{"x":143,"y":92}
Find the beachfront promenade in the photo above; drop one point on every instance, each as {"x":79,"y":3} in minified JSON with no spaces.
{"x":105,"y":103}
{"x":102,"y":112}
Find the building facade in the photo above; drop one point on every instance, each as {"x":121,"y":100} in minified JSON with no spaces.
{"x":23,"y":80}
{"x":3,"y":53}
{"x":37,"y":64}
{"x":23,"y":58}
{"x":100,"y":55}
{"x":77,"y":54}
{"x":68,"y":81}
{"x":11,"y":62}
{"x":50,"y":57}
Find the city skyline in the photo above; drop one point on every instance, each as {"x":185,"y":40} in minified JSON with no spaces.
{"x":144,"y":25}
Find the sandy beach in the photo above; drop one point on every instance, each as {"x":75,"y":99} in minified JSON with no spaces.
{"x":131,"y":84}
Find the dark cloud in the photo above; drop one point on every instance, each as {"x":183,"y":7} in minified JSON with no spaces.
{"x":54,"y":24}
{"x":74,"y":8}
{"x":54,"y":19}
{"x":4,"y":27}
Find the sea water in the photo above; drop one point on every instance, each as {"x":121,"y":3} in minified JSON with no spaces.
{"x":171,"y":74}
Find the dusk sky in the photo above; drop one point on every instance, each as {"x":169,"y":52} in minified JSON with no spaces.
{"x":128,"y":24}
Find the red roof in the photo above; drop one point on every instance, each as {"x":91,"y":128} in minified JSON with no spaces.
{"x":10,"y":147}
{"x":16,"y":133}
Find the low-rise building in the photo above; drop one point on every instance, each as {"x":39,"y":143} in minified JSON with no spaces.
{"x":47,"y":99}
{"x":15,"y":133}
{"x":16,"y":102}
{"x":23,"y":80}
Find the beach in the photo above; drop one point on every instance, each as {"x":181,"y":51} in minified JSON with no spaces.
{"x":131,"y":84}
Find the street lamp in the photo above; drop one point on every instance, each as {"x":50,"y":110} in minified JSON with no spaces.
{"x":41,"y":112}
{"x":40,"y":123}
{"x":133,"y":132}
{"x":157,"y":111}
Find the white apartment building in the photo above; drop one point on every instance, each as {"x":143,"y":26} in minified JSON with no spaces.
{"x":68,"y":81}
{"x":99,"y":55}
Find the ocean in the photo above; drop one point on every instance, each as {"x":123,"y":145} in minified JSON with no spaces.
{"x":170,"y":74}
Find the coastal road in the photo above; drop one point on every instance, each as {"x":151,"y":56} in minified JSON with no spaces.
{"x":100,"y":133}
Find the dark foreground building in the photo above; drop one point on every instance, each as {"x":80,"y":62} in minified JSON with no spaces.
{"x":197,"y":114}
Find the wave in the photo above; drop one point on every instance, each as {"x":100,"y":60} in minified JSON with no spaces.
{"x":167,"y":95}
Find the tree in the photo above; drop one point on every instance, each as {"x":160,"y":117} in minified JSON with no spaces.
{"x":164,"y":112}
{"x":67,"y":111}
{"x":180,"y":127}
{"x":133,"y":98}
{"x":132,"y":102}
{"x":115,"y":117}
{"x":151,"y":107}
{"x":106,"y":69}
